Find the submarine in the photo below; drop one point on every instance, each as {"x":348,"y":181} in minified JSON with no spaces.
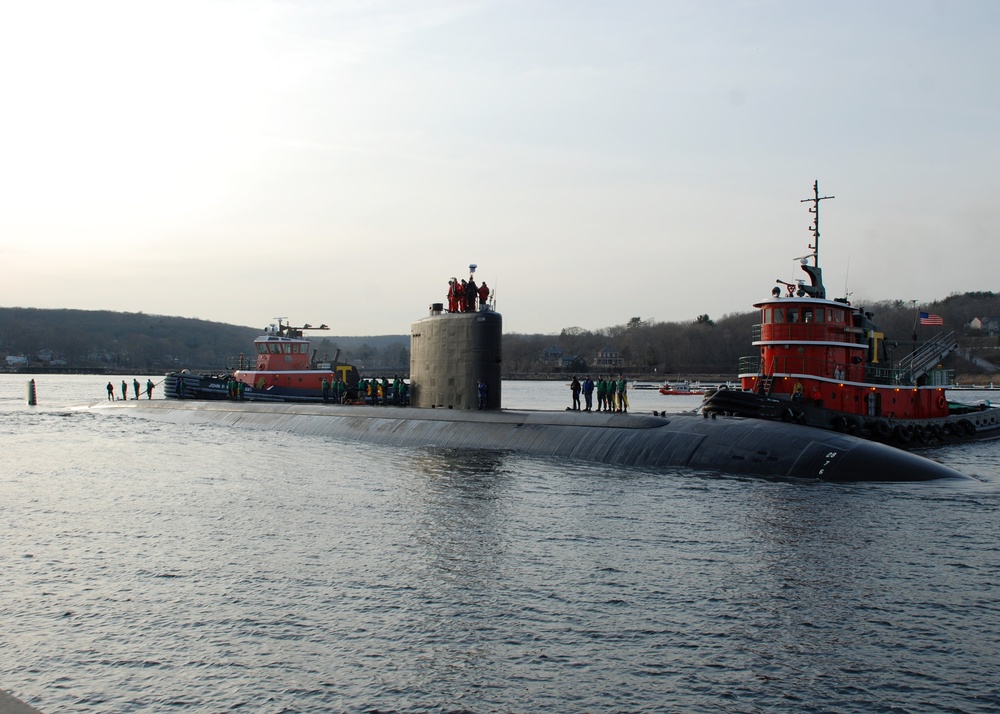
{"x":453,"y":352}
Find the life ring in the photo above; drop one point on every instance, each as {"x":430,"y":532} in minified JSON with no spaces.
{"x":941,"y":402}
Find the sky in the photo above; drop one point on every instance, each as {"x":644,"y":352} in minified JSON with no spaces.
{"x":339,"y":161}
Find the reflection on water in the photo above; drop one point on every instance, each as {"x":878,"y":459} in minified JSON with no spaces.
{"x":463,"y":500}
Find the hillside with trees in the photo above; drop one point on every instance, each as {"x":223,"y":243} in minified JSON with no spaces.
{"x":124,"y":342}
{"x":707,"y":348}
{"x":702,"y":347}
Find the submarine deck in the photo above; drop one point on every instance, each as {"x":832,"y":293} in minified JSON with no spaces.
{"x":725,"y":444}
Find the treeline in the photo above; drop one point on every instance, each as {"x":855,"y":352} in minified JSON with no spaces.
{"x":123,"y":342}
{"x":703,"y":347}
{"x":103,"y":340}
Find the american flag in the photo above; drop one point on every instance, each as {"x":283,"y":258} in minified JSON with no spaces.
{"x":929,"y":318}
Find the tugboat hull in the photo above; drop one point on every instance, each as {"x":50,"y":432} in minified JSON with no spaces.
{"x":965,"y":423}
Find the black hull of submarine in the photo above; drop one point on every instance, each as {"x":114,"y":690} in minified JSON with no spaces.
{"x":732,"y":445}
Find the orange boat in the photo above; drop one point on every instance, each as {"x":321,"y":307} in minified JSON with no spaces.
{"x":283,"y":368}
{"x":823,"y":363}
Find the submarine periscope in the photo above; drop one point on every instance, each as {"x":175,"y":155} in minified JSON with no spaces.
{"x":452,"y":351}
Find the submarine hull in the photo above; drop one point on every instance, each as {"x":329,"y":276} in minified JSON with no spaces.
{"x":734,"y":445}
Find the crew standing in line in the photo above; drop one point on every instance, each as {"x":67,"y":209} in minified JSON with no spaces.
{"x":484,"y":295}
{"x":111,"y":392}
{"x":574,"y":387}
{"x":149,"y":388}
{"x":612,"y":389}
{"x":588,"y":393}
{"x":622,"y":394}
{"x":135,"y":388}
{"x":124,"y":390}
{"x":602,"y":393}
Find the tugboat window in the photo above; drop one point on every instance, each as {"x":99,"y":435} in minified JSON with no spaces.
{"x":779,"y":314}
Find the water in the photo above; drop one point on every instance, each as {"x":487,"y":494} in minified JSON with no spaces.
{"x":148,"y":567}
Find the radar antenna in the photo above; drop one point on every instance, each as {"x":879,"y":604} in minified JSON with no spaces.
{"x":815,"y":226}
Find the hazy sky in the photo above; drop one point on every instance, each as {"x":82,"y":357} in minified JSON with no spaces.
{"x":338,"y":161}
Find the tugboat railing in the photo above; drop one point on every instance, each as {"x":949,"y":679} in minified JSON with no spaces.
{"x":800,"y":365}
{"x":241,"y":362}
{"x":815,"y":331}
{"x":926,"y":356}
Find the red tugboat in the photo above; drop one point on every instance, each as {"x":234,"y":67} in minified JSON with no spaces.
{"x":283,"y":369}
{"x":823,"y":363}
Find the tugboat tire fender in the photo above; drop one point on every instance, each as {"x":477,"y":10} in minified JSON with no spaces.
{"x":878,"y":428}
{"x":967,"y":426}
{"x":922,"y":434}
{"x":903,"y":434}
{"x":937,"y":430}
{"x":840,"y":424}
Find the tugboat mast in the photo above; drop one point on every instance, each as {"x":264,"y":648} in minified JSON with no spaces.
{"x":815,"y":226}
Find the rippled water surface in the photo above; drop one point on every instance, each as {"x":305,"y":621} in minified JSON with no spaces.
{"x":150,"y":567}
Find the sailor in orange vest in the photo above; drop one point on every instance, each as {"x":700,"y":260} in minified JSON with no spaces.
{"x":453,"y":295}
{"x":484,"y":294}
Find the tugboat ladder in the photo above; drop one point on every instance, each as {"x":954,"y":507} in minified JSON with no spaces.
{"x":928,"y":355}
{"x":765,"y":381}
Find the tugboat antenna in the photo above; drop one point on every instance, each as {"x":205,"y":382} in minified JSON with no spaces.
{"x":815,"y":226}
